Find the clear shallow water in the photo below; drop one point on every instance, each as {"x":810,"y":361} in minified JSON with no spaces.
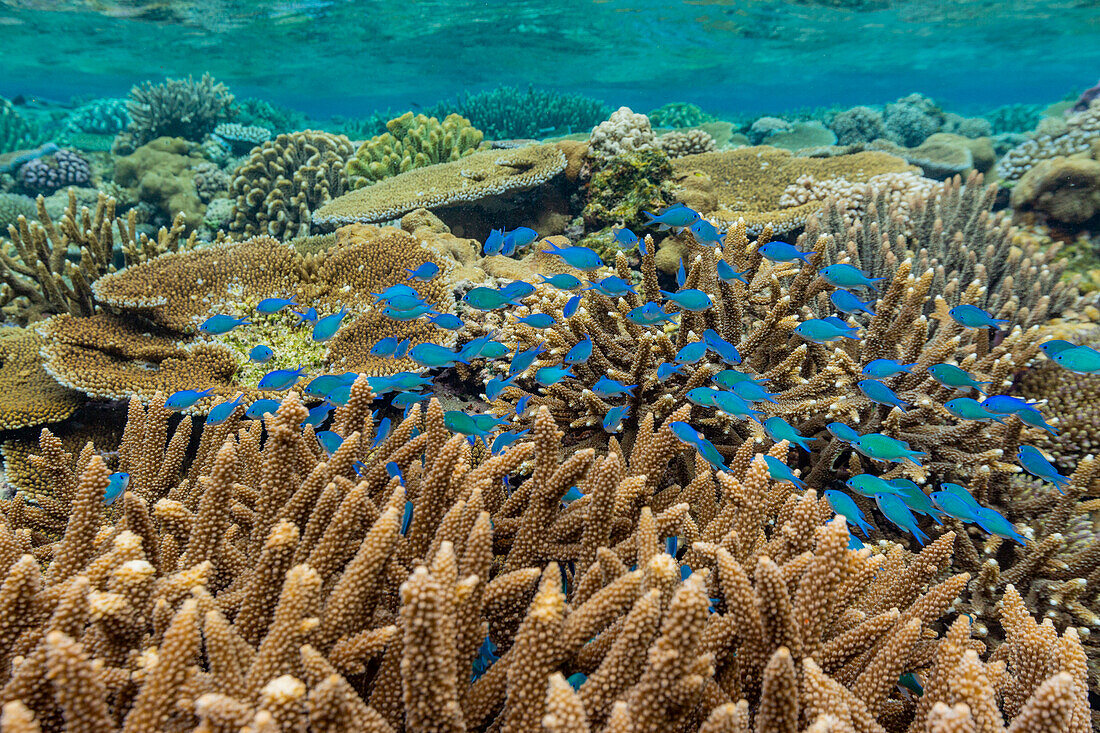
{"x":331,"y":57}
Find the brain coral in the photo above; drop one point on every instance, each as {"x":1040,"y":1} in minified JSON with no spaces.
{"x":412,"y":142}
{"x":286,"y":179}
{"x":749,"y":183}
{"x":478,"y":176}
{"x":28,"y":394}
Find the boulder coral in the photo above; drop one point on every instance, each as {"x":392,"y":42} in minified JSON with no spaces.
{"x":161,"y":172}
{"x":1063,"y":190}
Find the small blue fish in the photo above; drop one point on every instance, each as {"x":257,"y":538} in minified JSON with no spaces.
{"x":1056,"y":346}
{"x":847,"y":302}
{"x":487,"y":299}
{"x":581,"y":258}
{"x":220,"y":412}
{"x":953,"y":377}
{"x":681,"y":275}
{"x":692,"y":353}
{"x":702,"y":396}
{"x":522,"y":405}
{"x":494,"y":350}
{"x":953,"y":506}
{"x":729,"y":377}
{"x":1079,"y":360}
{"x":320,"y":386}
{"x":424,"y":273}
{"x":607,"y":387}
{"x":341,"y":395}
{"x":221,"y":324}
{"x":409,"y":315}
{"x":407,"y":399}
{"x":972,"y":316}
{"x":381,"y":432}
{"x":449,"y":321}
{"x":693,"y":437}
{"x":496,"y":385}
{"x":517,"y":290}
{"x":780,"y":471}
{"x":571,"y":306}
{"x":505,"y":439}
{"x":627,"y":239}
{"x":1035,"y":463}
{"x":1003,"y":404}
{"x":384,"y":347}
{"x":524,"y":359}
{"x":407,"y":518}
{"x":395,"y":291}
{"x":894,"y":509}
{"x":727,"y":273}
{"x":753,"y":392}
{"x":779,"y":430}
{"x":842,"y":432}
{"x":612,"y":286}
{"x":675,"y":217}
{"x":269,"y":306}
{"x":666,"y":370}
{"x":402,"y":381}
{"x":1034,"y":418}
{"x":406,"y":302}
{"x":967,"y":408}
{"x":551,"y":375}
{"x":869,"y":485}
{"x":961,"y":492}
{"x":876,"y":391}
{"x":259,"y":408}
{"x":843,"y":505}
{"x":564,"y":281}
{"x":116,"y":486}
{"x":886,"y":368}
{"x":279,"y":379}
{"x":185,"y":398}
{"x":690,"y":299}
{"x":261,"y":354}
{"x":847,"y":276}
{"x":613,"y":420}
{"x":726,"y":351}
{"x":783,"y":252}
{"x":823,"y":330}
{"x":884,"y":448}
{"x":318,"y":414}
{"x":914,"y":497}
{"x":580,"y":353}
{"x":995,"y":524}
{"x":309,"y":315}
{"x":516,"y":239}
{"x":460,"y":422}
{"x":494,"y":243}
{"x":705,"y":232}
{"x":330,"y":441}
{"x":650,"y":314}
{"x":434,"y":356}
{"x":537,"y":320}
{"x":571,"y":495}
{"x":735,"y":406}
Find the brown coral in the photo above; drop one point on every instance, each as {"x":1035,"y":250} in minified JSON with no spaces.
{"x":30,"y":395}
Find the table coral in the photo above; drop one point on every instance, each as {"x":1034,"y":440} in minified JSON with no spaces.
{"x":412,"y":142}
{"x":476,"y":177}
{"x":285,"y":180}
{"x":240,"y":595}
{"x":748,"y":183}
{"x":30,"y":395}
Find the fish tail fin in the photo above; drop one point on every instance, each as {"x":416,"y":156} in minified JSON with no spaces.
{"x":921,"y":536}
{"x":651,"y":217}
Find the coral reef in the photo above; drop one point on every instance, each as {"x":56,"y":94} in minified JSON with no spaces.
{"x":29,"y":396}
{"x":625,"y":185}
{"x":160,"y":173}
{"x":858,"y":125}
{"x":412,"y":142}
{"x":241,"y":138}
{"x":98,"y":117}
{"x":1073,"y":404}
{"x":177,"y":108}
{"x":1075,"y":135}
{"x":16,"y":132}
{"x":210,"y":182}
{"x":623,"y":132}
{"x":802,"y":135}
{"x":679,"y":115}
{"x":251,"y":112}
{"x":1014,"y":118}
{"x":13,"y":206}
{"x":943,"y":155}
{"x":686,"y":142}
{"x":49,"y":173}
{"x":910,"y":120}
{"x":286,"y":179}
{"x":748,"y":183}
{"x":476,"y":177}
{"x":509,"y":113}
{"x":1065,"y":191}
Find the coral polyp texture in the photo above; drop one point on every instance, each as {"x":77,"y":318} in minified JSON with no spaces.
{"x":1075,"y":135}
{"x":263,"y":585}
{"x":412,"y":142}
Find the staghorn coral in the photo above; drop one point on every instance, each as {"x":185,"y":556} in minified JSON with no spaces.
{"x":29,"y":395}
{"x":476,"y":177}
{"x":1076,"y":135}
{"x":412,"y":142}
{"x":748,"y":183}
{"x":679,"y":115}
{"x":285,"y":180}
{"x":509,"y":113}
{"x":233,"y":592}
{"x":1071,"y":401}
{"x":625,"y":131}
{"x":686,"y":142}
{"x":177,"y":108}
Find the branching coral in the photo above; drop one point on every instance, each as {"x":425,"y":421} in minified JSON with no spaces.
{"x":679,"y":115}
{"x":412,"y":142}
{"x":177,"y":108}
{"x":263,"y":588}
{"x":508,"y":112}
{"x":285,"y":180}
{"x":16,"y":132}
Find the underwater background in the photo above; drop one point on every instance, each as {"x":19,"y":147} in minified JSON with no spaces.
{"x":550,"y":367}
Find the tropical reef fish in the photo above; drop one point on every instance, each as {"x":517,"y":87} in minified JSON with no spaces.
{"x":307,"y":316}
{"x":458,"y":421}
{"x":840,"y":431}
{"x":843,"y":505}
{"x":729,"y":377}
{"x":953,"y":506}
{"x":608,"y":387}
{"x":279,"y":379}
{"x":849,"y":303}
{"x":395,"y":291}
{"x":612,"y":286}
{"x":495,"y":386}
{"x":517,"y":238}
{"x":185,"y":398}
{"x":317,"y":414}
{"x":734,"y":405}
{"x":433,"y":356}
{"x":690,"y":299}
{"x":551,"y":375}
{"x":753,"y":392}
{"x":693,"y":437}
{"x":494,"y":242}
{"x":487,"y":299}
{"x":780,"y":471}
{"x":524,"y":359}
{"x":116,"y":486}
{"x":878,"y":392}
{"x":261,"y":354}
{"x":884,"y":448}
{"x":259,"y":408}
{"x":971,"y":316}
{"x":220,"y":412}
{"x":727,"y":273}
{"x":886,"y":368}
{"x":580,"y":352}
{"x":914,"y":497}
{"x":779,"y":430}
{"x":666,"y":370}
{"x":952,"y":376}
{"x":221,"y":324}
{"x":783,"y":252}
{"x":321,"y":386}
{"x":505,"y":439}
{"x":537,"y":320}
{"x":822,"y":330}
{"x":691,"y":353}
{"x":1035,"y":463}
{"x":571,"y":306}
{"x":581,"y":258}
{"x":702,"y":396}
{"x":649,"y":314}
{"x":1056,"y":346}
{"x":895,"y":510}
{"x":869,"y":485}
{"x":726,"y":351}
{"x":613,"y":420}
{"x":1079,"y":359}
{"x":627,"y":239}
{"x":409,"y":315}
{"x":564,"y":281}
{"x":330,"y":441}
{"x":846,"y":276}
{"x":995,"y":524}
{"x":968,"y":408}
{"x":1034,"y":418}
{"x":705,"y":232}
{"x":449,"y":321}
{"x":676,"y":217}
{"x":425,"y":272}
{"x":268,"y":306}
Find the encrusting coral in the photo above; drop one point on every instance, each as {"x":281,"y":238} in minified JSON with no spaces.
{"x":266,"y":586}
{"x":412,"y":142}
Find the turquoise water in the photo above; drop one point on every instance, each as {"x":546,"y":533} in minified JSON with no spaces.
{"x":328,"y":57}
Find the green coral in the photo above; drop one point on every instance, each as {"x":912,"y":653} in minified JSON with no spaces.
{"x":412,"y":142}
{"x":16,"y":132}
{"x":679,"y":114}
{"x":625,"y":185}
{"x":508,"y":112}
{"x":14,"y":205}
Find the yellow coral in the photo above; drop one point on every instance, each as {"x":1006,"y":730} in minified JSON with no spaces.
{"x":30,"y":396}
{"x":412,"y":142}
